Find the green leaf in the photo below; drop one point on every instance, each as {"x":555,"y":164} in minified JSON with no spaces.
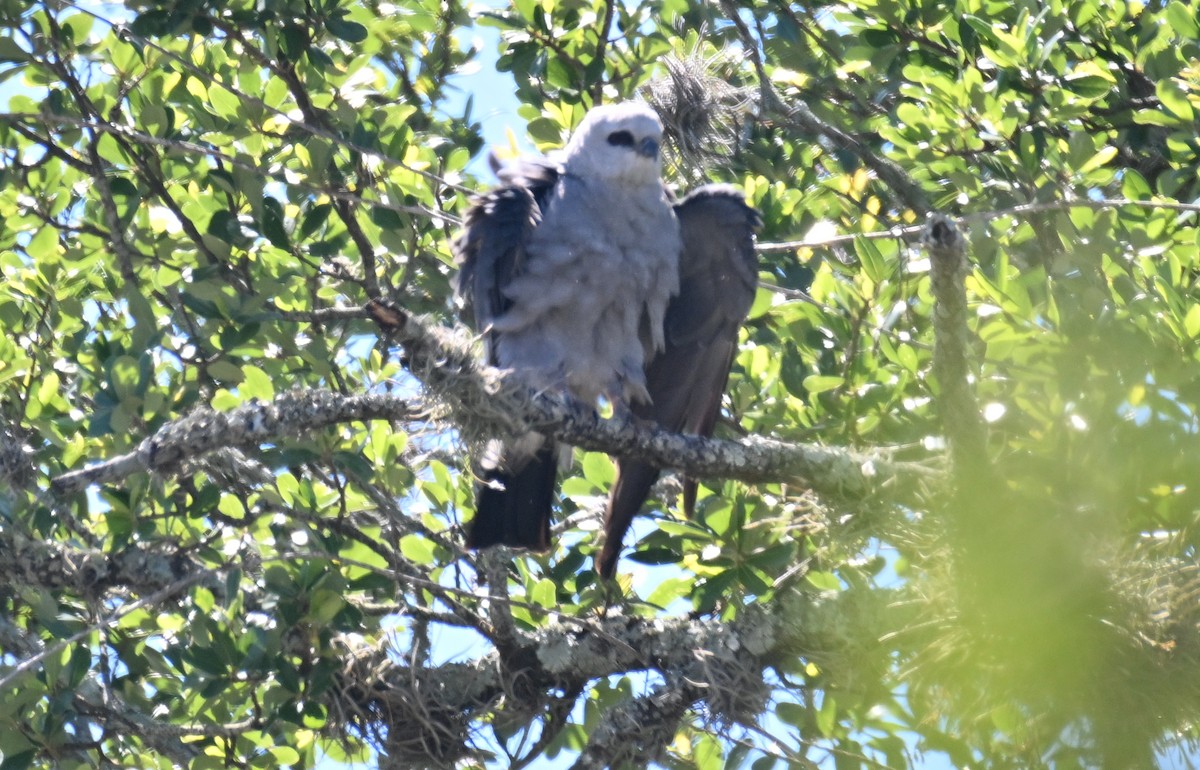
{"x":11,"y":51}
{"x":1090,"y":85}
{"x":544,"y":594}
{"x":670,"y":591}
{"x":820,"y":383}
{"x":418,"y":549}
{"x":272,"y":223}
{"x":284,"y":755}
{"x":1174,"y":98}
{"x":224,"y":102}
{"x":708,"y":753}
{"x":824,"y":581}
{"x":350,"y":31}
{"x":658,"y":555}
{"x":1101,"y":158}
{"x":225,"y":371}
{"x":792,"y":714}
{"x":827,"y":714}
{"x":598,"y":469}
{"x":874,"y":265}
{"x":44,"y":246}
{"x":19,"y":760}
{"x":1191,"y":323}
{"x":256,"y":384}
{"x":324,"y":606}
{"x":1182,"y":20}
{"x":315,"y":218}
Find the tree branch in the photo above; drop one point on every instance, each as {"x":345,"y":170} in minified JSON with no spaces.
{"x":961,"y":420}
{"x":799,"y":116}
{"x":29,"y":663}
{"x":485,"y":402}
{"x":294,"y":413}
{"x":55,"y":567}
{"x":185,"y":146}
{"x":713,"y":662}
{"x":637,"y":731}
{"x":610,"y":8}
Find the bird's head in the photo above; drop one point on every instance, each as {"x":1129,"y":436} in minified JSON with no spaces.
{"x":617,"y":142}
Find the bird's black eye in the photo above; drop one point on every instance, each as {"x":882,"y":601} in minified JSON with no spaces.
{"x":620,"y":139}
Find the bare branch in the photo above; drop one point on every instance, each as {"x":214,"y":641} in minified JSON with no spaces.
{"x":610,"y":8}
{"x":28,"y":664}
{"x":55,"y":567}
{"x":486,"y":402}
{"x":140,"y":137}
{"x":291,"y":414}
{"x":913,"y":233}
{"x":900,"y":233}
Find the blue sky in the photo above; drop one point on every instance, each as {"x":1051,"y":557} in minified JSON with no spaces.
{"x":494,"y":93}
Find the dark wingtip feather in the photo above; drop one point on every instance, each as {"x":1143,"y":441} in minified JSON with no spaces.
{"x":513,"y":508}
{"x":629,"y":492}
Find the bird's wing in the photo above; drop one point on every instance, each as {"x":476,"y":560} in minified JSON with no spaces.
{"x":515,"y":489}
{"x":490,"y":251}
{"x":718,"y":276}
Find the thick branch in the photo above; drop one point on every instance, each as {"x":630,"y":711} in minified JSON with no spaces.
{"x":639,"y":730}
{"x":710,"y":662}
{"x":486,"y":402}
{"x":57,"y":567}
{"x":951,"y":354}
{"x":291,"y":414}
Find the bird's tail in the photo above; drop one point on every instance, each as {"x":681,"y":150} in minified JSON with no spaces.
{"x":513,"y":504}
{"x":629,"y":492}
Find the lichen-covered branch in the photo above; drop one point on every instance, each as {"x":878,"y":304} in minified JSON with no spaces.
{"x":293,"y":413}
{"x":961,"y":419}
{"x":57,"y":567}
{"x":484,"y":401}
{"x":710,"y":664}
{"x":639,"y":731}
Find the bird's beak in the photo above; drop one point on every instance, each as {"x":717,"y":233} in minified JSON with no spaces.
{"x":648,"y":147}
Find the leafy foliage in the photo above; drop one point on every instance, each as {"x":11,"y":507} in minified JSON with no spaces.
{"x":196,"y":198}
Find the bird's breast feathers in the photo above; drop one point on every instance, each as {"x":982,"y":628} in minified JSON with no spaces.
{"x":602,"y":258}
{"x":595,"y":247}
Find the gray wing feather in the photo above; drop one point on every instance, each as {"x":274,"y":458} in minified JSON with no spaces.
{"x":490,"y":252}
{"x":515,"y":492}
{"x":718,"y":277}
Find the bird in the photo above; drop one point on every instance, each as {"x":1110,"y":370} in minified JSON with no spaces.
{"x":718,"y":278}
{"x":566,"y":270}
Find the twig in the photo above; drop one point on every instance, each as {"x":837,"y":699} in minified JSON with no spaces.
{"x":153,"y":599}
{"x":610,"y":7}
{"x":126,"y":35}
{"x":912,"y":233}
{"x":212,"y":152}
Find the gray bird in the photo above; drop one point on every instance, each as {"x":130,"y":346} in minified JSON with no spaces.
{"x":567,"y":269}
{"x":718,"y":276}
